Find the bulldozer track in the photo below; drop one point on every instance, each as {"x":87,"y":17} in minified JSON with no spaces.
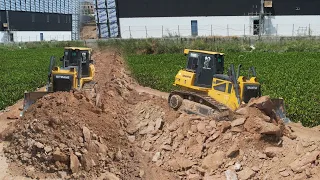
{"x":199,"y":98}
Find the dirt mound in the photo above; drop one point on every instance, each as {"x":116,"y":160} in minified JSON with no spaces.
{"x":64,"y":132}
{"x":134,"y":135}
{"x":65,"y":135}
{"x":253,"y":145}
{"x":89,"y":32}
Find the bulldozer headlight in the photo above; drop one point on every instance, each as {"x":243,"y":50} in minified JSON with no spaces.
{"x":254,"y":79}
{"x":56,"y":68}
{"x":242,"y":78}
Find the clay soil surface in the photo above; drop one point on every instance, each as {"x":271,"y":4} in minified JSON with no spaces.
{"x":88,"y":32}
{"x":131,"y":133}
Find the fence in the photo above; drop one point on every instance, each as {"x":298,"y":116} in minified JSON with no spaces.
{"x":37,"y":38}
{"x":45,"y":38}
{"x":19,"y":36}
{"x":162,"y":31}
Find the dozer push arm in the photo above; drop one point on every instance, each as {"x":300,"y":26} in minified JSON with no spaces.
{"x":235,"y":83}
{"x":52,"y":63}
{"x":238,"y":73}
{"x":79,"y":72}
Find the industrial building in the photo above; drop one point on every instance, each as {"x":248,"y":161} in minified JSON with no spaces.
{"x":154,"y":18}
{"x":87,"y":8}
{"x":39,"y":20}
{"x":106,"y":18}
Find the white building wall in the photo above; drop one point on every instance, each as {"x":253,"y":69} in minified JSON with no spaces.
{"x":217,"y":26}
{"x":31,"y":36}
{"x":2,"y":37}
{"x":292,"y":25}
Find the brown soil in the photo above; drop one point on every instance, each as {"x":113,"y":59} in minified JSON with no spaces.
{"x":133,"y":134}
{"x":88,"y":32}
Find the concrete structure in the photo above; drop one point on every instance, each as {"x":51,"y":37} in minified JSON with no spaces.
{"x":153,"y":18}
{"x":39,"y":20}
{"x":87,"y":8}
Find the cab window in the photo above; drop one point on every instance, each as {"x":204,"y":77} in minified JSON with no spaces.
{"x":221,"y":87}
{"x":193,"y":61}
{"x":229,"y":87}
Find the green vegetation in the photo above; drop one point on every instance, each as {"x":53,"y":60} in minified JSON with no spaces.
{"x":224,"y":44}
{"x":24,"y":67}
{"x":292,"y":75}
{"x":23,"y":70}
{"x":286,"y":68}
{"x":39,"y":45}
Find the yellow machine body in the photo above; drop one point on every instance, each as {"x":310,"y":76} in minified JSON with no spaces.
{"x":185,"y":80}
{"x":221,"y":90}
{"x":203,"y":81}
{"x":72,"y":72}
{"x":204,"y":75}
{"x":77,"y":72}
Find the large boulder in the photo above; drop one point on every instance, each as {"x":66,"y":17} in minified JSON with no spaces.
{"x":263,"y":103}
{"x":258,"y":125}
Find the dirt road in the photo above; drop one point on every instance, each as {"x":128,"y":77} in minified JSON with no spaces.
{"x":134,"y":135}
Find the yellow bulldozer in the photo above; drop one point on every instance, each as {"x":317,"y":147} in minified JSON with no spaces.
{"x":204,"y":85}
{"x":76,"y":72}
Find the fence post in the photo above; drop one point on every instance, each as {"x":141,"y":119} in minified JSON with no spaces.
{"x":244,"y":30}
{"x":309,"y":30}
{"x":211,"y":29}
{"x":130,"y":32}
{"x":178,"y":30}
{"x":228,"y":29}
{"x":146,"y":31}
{"x":162,"y":30}
{"x":277,"y":30}
{"x":293,"y":30}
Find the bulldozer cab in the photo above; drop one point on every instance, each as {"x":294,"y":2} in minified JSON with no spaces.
{"x":204,"y":64}
{"x":77,"y":57}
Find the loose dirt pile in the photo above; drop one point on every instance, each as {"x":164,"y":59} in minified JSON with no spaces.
{"x":66,"y":135}
{"x":253,"y":145}
{"x":89,"y":32}
{"x":63,"y":133}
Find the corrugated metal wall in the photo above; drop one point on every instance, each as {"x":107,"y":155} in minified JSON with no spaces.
{"x":106,"y":18}
{"x":180,"y":8}
{"x":71,"y":7}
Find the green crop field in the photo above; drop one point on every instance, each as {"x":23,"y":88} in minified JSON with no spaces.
{"x":291,"y":75}
{"x":286,"y":68}
{"x":23,"y":70}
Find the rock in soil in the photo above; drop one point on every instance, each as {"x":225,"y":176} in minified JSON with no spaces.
{"x":300,"y":164}
{"x":230,"y":175}
{"x":246,"y":173}
{"x":213,"y":161}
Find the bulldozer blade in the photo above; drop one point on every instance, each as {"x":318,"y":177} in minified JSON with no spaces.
{"x":30,"y":98}
{"x":279,"y":107}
